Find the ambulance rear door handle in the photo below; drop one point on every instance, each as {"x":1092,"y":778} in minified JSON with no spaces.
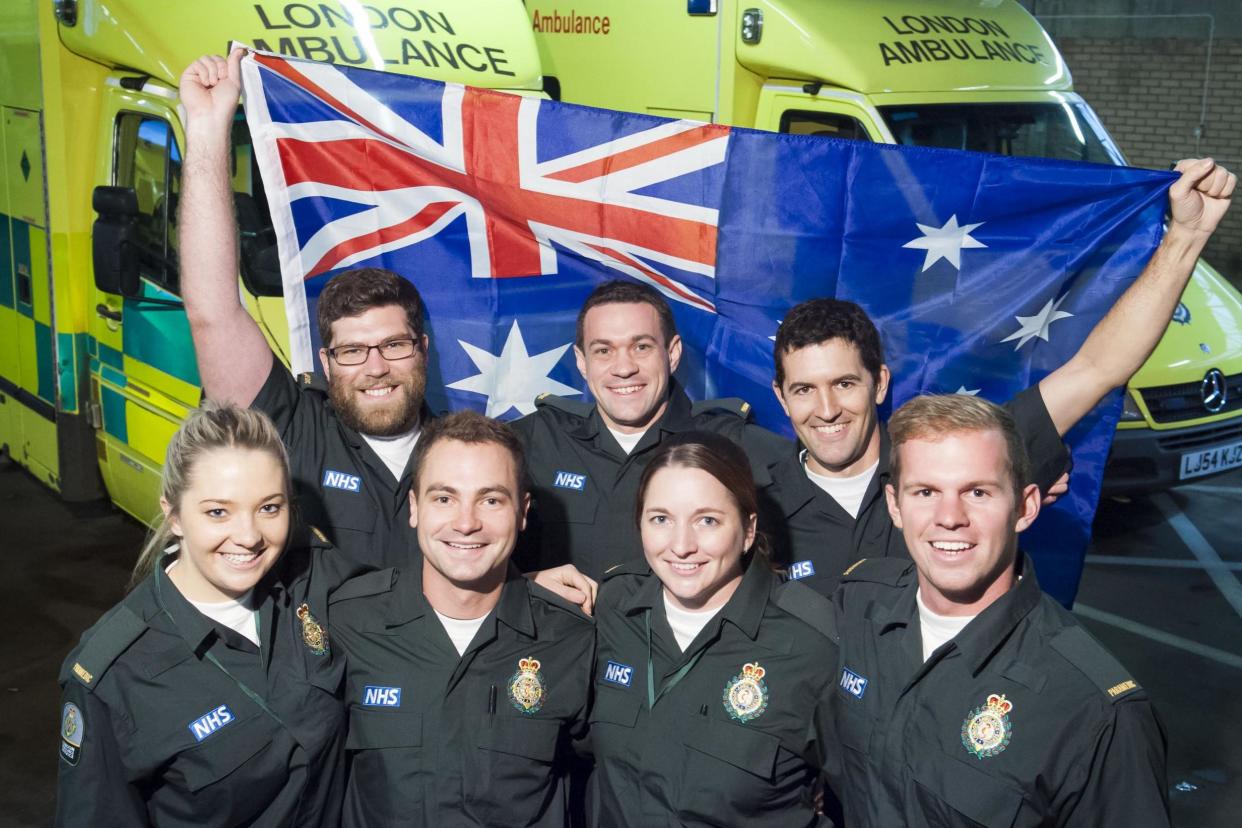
{"x":107,"y":313}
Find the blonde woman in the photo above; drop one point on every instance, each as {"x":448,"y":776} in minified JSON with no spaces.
{"x":209,"y":695}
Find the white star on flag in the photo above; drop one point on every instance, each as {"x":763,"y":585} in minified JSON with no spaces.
{"x":514,"y":379}
{"x":969,"y":392}
{"x":1037,"y":325}
{"x":945,"y":242}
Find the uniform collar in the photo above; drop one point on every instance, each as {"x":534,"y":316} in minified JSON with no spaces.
{"x":744,"y":609}
{"x":983,"y":636}
{"x":513,"y":608}
{"x":188,"y":622}
{"x":676,"y":416}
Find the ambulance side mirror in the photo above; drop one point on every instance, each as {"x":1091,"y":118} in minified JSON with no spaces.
{"x":114,"y":247}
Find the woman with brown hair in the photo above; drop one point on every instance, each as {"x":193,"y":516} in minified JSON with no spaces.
{"x":709,"y":668}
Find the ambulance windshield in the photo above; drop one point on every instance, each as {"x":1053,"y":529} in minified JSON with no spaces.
{"x":1065,"y":131}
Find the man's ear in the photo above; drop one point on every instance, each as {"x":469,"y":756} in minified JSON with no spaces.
{"x":525,"y":511}
{"x":890,"y":495}
{"x":326,"y":362}
{"x":413,"y":510}
{"x":881,"y":384}
{"x":580,"y":359}
{"x":1027,"y":508}
{"x":674,"y":353}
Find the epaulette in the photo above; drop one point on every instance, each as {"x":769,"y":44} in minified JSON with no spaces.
{"x":631,"y":568}
{"x":372,"y":583}
{"x":890,"y":571}
{"x":808,"y":606}
{"x":111,"y":638}
{"x":549,"y":597}
{"x":314,"y":381}
{"x":578,"y":408}
{"x":736,"y":406}
{"x":1094,"y":662}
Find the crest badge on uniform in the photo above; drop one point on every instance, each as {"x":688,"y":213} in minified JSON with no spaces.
{"x":72,"y":727}
{"x":526,"y":688}
{"x":313,"y":634}
{"x":987,"y":729}
{"x":746,"y":696}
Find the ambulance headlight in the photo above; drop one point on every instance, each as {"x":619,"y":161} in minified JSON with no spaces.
{"x":66,"y":11}
{"x":752,"y":25}
{"x":1130,"y":412}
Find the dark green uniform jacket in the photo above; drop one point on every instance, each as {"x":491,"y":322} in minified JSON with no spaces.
{"x":340,"y":484}
{"x":725,"y":743}
{"x":437,"y":739}
{"x":585,"y":484}
{"x":1073,"y":741}
{"x":170,"y":719}
{"x":815,"y":539}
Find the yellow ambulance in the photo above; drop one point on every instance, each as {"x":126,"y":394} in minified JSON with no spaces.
{"x":96,"y":365}
{"x":963,"y":74}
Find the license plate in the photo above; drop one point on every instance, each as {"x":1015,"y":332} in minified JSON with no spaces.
{"x":1208,"y":461}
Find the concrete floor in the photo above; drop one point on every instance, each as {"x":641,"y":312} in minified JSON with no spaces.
{"x":1161,"y":590}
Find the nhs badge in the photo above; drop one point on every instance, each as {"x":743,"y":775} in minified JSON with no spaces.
{"x":853,"y":683}
{"x":570,"y":480}
{"x":801,"y":569}
{"x":620,"y":674}
{"x":341,"y":480}
{"x":210,"y":722}
{"x":375,"y":696}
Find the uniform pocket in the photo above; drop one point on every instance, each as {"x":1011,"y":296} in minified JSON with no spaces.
{"x":513,"y":770}
{"x":224,"y":752}
{"x":379,"y":729}
{"x":615,"y":707}
{"x":951,"y":792}
{"x":735,"y":773}
{"x":749,"y":750}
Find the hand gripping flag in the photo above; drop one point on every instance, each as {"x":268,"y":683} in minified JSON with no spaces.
{"x":983,"y":273}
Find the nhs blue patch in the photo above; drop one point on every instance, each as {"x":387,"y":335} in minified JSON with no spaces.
{"x":853,"y":683}
{"x":801,"y":569}
{"x":210,"y":722}
{"x":341,"y":480}
{"x":620,"y":674}
{"x":376,"y":696}
{"x":570,"y":480}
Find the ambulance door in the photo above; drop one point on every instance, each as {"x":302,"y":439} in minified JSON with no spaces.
{"x":143,"y":368}
{"x":28,"y":373}
{"x":814,"y":110}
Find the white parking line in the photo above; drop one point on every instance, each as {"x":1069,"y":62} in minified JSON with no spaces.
{"x":1208,"y":488}
{"x":1198,"y":545}
{"x":1220,"y":656}
{"x":1169,"y":563}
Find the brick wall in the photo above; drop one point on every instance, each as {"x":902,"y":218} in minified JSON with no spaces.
{"x":1149,"y":94}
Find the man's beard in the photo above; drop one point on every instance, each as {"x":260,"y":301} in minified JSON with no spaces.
{"x":380,"y":421}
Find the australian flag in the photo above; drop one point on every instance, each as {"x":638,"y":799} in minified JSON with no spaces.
{"x":983,"y":273}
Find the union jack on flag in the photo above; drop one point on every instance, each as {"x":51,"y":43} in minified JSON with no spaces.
{"x":983,"y":273}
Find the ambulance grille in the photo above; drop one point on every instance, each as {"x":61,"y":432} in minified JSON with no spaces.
{"x":1175,"y":403}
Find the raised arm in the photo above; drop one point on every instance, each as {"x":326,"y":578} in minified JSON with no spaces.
{"x":1121,"y":342}
{"x":234,"y":359}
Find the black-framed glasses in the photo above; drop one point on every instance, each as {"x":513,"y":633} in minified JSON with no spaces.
{"x":391,"y":350}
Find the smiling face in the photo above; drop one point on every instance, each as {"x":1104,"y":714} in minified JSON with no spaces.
{"x":958,"y":511}
{"x":468,"y":510}
{"x":232,"y":523}
{"x":381,"y":398}
{"x":831,"y":401}
{"x":627,"y":364}
{"x":694,"y":536}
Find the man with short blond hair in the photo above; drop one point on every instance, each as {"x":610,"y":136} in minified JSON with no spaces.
{"x":965,"y":695}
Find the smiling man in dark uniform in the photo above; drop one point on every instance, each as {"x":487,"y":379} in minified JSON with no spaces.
{"x":966,"y":696}
{"x":824,"y":502}
{"x":465,"y":683}
{"x":586,"y":459}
